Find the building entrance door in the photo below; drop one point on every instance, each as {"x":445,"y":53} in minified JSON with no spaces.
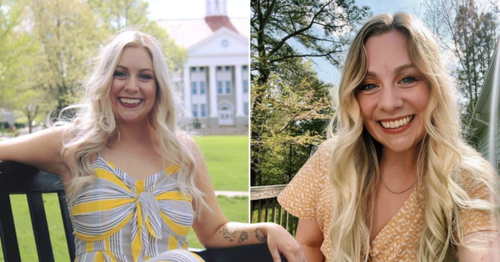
{"x":226,"y":115}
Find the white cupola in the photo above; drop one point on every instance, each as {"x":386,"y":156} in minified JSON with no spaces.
{"x":216,"y":8}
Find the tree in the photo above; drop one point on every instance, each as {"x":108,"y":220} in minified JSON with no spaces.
{"x":278,"y":28}
{"x":470,"y":34}
{"x":11,"y":13}
{"x":20,"y":86}
{"x":66,"y":32}
{"x":296,"y":109}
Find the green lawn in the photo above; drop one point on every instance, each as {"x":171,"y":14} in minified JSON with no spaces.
{"x":227,"y":161}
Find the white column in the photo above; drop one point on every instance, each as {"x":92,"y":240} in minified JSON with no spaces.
{"x":213,"y":93}
{"x":239,"y":91}
{"x":187,"y":92}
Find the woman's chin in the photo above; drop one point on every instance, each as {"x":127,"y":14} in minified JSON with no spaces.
{"x":131,"y":119}
{"x":400,"y":147}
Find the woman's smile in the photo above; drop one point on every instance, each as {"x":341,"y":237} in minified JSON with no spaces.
{"x":396,"y":125}
{"x":129,"y":102}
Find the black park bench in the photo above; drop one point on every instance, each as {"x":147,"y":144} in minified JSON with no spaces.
{"x":16,"y":178}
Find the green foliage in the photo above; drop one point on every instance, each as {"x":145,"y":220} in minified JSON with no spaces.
{"x":66,"y":32}
{"x":290,"y":106}
{"x":293,"y":117}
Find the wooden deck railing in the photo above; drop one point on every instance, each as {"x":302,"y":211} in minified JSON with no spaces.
{"x":264,"y":207}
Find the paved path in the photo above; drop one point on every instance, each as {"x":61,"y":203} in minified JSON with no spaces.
{"x":232,"y":193}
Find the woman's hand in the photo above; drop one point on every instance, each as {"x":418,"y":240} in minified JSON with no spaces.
{"x":280,"y":241}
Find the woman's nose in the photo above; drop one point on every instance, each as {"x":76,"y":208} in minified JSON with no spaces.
{"x":390,"y":99}
{"x":131,"y":86}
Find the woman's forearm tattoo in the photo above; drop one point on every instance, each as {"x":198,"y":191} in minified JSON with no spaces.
{"x":233,"y":235}
{"x":243,"y":236}
{"x":260,"y":235}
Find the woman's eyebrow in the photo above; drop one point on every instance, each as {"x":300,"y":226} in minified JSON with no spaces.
{"x":397,"y":70}
{"x":401,"y":68}
{"x":147,"y":69}
{"x":122,"y":67}
{"x":141,"y":70}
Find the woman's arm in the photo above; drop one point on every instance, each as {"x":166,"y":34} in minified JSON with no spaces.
{"x":41,"y":150}
{"x":213,"y":229}
{"x":310,"y":238}
{"x":489,"y":240}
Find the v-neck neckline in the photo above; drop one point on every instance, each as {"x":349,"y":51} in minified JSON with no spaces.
{"x":115,"y":167}
{"x":401,"y":208}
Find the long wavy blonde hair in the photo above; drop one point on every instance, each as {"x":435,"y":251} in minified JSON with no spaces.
{"x":444,"y":157}
{"x":94,"y":121}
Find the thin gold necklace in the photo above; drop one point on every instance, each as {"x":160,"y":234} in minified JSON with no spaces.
{"x":398,"y":193}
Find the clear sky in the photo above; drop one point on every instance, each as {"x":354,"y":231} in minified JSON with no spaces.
{"x":414,"y":7}
{"x":180,"y":9}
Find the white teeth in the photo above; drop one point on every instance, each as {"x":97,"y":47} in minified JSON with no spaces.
{"x":397,"y":123}
{"x":130,"y":101}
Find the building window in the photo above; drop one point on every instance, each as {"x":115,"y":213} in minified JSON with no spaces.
{"x":245,"y":86}
{"x":245,"y":68}
{"x":228,"y":68}
{"x":203,"y":110}
{"x":245,"y":108}
{"x":195,"y":110}
{"x":228,"y":87}
{"x":194,"y":88}
{"x":193,"y":69}
{"x":202,"y":87}
{"x":219,"y":87}
{"x":202,"y":69}
{"x":219,"y":68}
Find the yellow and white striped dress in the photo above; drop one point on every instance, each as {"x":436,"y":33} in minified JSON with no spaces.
{"x":117,"y":218}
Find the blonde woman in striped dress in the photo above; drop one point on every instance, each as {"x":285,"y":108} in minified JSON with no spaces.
{"x":136,"y":183}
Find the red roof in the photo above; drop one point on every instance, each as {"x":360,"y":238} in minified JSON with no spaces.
{"x":218,"y":21}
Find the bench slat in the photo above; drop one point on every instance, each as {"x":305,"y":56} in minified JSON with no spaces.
{"x":40,"y":227}
{"x":10,"y":245}
{"x":68,"y":227}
